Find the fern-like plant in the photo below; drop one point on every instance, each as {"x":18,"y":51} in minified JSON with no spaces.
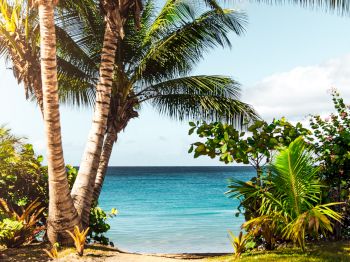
{"x":79,"y":238}
{"x":239,"y":243}
{"x":18,"y":228}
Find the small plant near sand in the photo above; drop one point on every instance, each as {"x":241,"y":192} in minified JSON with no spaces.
{"x":17,"y":228}
{"x":240,"y":243}
{"x":53,"y":252}
{"x":79,"y":238}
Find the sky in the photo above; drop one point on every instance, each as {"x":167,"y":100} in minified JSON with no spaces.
{"x":286,"y":62}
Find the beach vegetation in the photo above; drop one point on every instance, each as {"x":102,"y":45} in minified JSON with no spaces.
{"x":291,"y":198}
{"x":330,"y":141}
{"x":239,"y":243}
{"x":256,"y":145}
{"x":301,"y":191}
{"x":25,"y":179}
{"x":79,"y":238}
{"x":22,"y":175}
{"x":53,"y":252}
{"x":99,"y":224}
{"x":18,"y":228}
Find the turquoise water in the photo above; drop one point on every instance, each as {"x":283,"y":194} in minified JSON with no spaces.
{"x":172,"y":209}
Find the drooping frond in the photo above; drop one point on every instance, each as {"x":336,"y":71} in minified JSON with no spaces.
{"x":207,"y":108}
{"x":76,"y":93}
{"x":183,"y":48}
{"x":341,"y":7}
{"x":197,"y":85}
{"x":209,"y":98}
{"x":172,"y":13}
{"x":70,"y":50}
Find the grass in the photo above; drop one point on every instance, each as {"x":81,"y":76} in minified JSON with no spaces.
{"x":325,"y":251}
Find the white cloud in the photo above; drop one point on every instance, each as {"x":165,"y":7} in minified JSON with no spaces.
{"x":301,"y":91}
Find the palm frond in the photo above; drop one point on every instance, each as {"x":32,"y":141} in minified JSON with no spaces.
{"x":178,"y":51}
{"x":198,"y":85}
{"x":203,"y":97}
{"x":173,"y":12}
{"x":71,"y":50}
{"x":341,"y":7}
{"x":204,"y":107}
{"x":294,"y":176}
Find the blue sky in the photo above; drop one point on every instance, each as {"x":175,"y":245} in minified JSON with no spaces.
{"x":286,"y":62}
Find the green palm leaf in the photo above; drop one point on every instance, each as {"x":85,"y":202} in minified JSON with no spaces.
{"x":294,"y":176}
{"x":181,"y":49}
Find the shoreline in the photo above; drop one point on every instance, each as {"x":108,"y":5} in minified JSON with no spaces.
{"x":98,"y":253}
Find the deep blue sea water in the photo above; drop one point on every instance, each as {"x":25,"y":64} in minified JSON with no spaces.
{"x":172,"y":209}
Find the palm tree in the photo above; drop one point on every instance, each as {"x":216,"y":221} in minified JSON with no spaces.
{"x":115,"y":15}
{"x":27,"y":71}
{"x":153,"y":66}
{"x":62,"y":214}
{"x":290,"y":198}
{"x":19,"y":44}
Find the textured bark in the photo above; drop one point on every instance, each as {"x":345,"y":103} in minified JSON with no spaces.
{"x":111,"y":138}
{"x":82,"y":191}
{"x":62,"y":214}
{"x":121,"y":111}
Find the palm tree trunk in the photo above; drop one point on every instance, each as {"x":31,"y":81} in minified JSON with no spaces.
{"x":111,"y":138}
{"x":83,"y":188}
{"x":62,"y":214}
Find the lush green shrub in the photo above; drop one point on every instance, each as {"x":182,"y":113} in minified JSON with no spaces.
{"x":290,"y":198}
{"x":331,"y":141}
{"x":17,"y":228}
{"x":256,"y":147}
{"x":22,"y":175}
{"x":25,"y":179}
{"x":99,"y":224}
{"x":259,"y":148}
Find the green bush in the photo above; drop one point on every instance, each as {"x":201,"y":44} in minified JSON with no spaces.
{"x":22,"y":175}
{"x":17,"y":228}
{"x":291,"y":198}
{"x":98,"y":224}
{"x":256,"y":147}
{"x":25,"y":179}
{"x":331,"y":142}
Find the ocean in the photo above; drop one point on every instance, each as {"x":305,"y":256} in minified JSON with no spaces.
{"x":172,"y":209}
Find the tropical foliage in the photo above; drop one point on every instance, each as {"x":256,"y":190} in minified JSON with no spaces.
{"x":154,"y":64}
{"x":17,"y":228}
{"x":290,"y":197}
{"x":24,"y":178}
{"x":22,"y":175}
{"x":301,"y":188}
{"x":79,"y":238}
{"x":256,"y":147}
{"x":331,"y":140}
{"x":239,"y":243}
{"x":99,"y":224}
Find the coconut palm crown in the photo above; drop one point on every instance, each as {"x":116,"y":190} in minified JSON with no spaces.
{"x":153,"y":64}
